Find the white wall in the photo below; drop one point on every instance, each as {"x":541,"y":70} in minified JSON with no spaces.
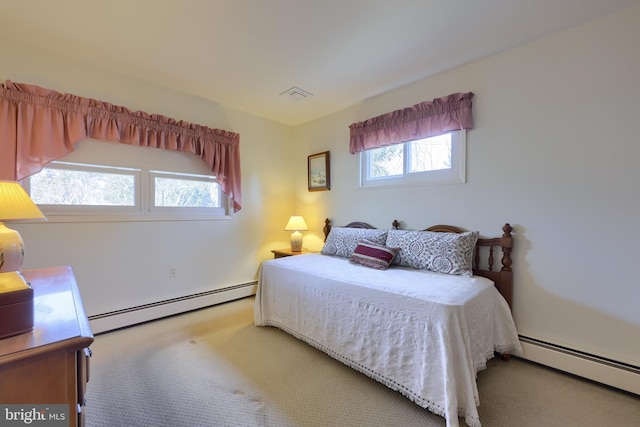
{"x":554,"y":151}
{"x":120,"y":265}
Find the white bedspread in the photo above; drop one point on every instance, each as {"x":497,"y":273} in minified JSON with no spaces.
{"x":423,"y":334}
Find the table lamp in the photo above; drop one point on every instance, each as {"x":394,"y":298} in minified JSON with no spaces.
{"x":15,"y":204}
{"x":296,"y":224}
{"x":16,"y":296}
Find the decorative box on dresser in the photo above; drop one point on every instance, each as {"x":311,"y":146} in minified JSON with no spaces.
{"x":50,"y":364}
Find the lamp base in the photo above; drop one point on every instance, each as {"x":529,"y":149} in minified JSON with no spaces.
{"x":296,"y":241}
{"x":11,"y":249}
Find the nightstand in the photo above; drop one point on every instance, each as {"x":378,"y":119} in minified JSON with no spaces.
{"x":281,"y":253}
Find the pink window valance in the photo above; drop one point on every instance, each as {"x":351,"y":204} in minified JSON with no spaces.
{"x":423,"y":120}
{"x":38,"y":126}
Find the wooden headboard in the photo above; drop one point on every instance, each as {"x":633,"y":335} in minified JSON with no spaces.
{"x":483,"y":257}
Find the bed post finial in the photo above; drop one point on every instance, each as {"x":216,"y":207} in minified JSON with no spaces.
{"x":506,"y":243}
{"x":395,"y":224}
{"x":327,"y":228}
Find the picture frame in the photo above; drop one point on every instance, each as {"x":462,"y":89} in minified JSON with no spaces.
{"x":318,"y":172}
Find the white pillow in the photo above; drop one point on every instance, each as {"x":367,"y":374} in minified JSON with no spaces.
{"x":342,"y":241}
{"x":449,"y":253}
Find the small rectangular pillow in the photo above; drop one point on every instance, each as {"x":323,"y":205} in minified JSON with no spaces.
{"x":342,"y":241}
{"x":449,"y":253}
{"x":374,"y":255}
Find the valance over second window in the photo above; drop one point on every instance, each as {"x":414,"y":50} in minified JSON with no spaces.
{"x":423,"y":120}
{"x":40,"y":125}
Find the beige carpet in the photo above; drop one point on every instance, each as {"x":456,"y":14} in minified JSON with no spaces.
{"x":212,"y":367}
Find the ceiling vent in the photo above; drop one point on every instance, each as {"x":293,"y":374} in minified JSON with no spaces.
{"x":296,"y":94}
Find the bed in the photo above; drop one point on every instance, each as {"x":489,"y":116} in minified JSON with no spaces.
{"x":423,"y":323}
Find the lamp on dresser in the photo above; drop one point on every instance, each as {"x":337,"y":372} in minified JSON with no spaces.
{"x":15,"y":204}
{"x":16,"y":296}
{"x":296,"y":224}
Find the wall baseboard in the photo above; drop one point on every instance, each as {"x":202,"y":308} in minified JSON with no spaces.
{"x":614,"y":374}
{"x":144,"y":313}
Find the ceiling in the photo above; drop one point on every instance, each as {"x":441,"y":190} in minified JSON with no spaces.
{"x":243,"y":54}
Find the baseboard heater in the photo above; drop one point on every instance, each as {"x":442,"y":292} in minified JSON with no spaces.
{"x":118,"y":319}
{"x":611,"y":372}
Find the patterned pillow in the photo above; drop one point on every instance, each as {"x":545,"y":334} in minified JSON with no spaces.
{"x":373,"y":255}
{"x":449,"y":253}
{"x":342,"y":241}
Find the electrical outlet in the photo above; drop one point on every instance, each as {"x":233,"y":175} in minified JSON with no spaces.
{"x":172,"y":272}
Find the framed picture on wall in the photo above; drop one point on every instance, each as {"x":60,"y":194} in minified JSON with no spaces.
{"x":319,"y":176}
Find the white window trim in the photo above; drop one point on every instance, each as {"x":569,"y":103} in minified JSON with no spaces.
{"x":455,"y":175}
{"x":143,"y":209}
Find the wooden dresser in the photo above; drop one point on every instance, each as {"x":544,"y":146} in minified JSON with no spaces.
{"x":49,"y":365}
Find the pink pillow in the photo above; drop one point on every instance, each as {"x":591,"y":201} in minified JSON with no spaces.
{"x":374,"y":255}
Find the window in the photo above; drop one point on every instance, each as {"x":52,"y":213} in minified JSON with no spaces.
{"x":63,"y":188}
{"x":73,"y":189}
{"x":435,"y":160}
{"x":185,"y":193}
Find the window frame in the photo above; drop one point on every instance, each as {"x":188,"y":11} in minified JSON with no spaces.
{"x":454,"y":175}
{"x":144,"y":208}
{"x":185,"y":211}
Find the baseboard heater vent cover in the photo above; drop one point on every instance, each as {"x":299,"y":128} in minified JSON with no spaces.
{"x":583,"y":355}
{"x":614,"y":373}
{"x":146,"y":312}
